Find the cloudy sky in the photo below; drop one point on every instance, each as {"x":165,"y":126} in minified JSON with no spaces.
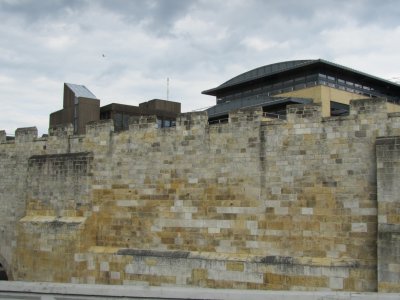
{"x":197,"y":44}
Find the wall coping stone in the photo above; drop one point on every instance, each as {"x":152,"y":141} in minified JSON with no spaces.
{"x":76,"y":291}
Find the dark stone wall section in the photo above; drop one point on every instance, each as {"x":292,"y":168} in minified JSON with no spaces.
{"x":388,"y":178}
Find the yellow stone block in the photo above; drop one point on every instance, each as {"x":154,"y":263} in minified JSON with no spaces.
{"x":388,"y":287}
{"x":199,"y":274}
{"x":151,"y":262}
{"x":235,"y":266}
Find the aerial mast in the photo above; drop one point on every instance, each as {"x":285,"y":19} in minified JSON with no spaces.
{"x":167,"y":88}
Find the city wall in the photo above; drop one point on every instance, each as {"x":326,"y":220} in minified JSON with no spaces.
{"x":307,"y":203}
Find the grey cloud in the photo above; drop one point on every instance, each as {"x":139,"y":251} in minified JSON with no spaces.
{"x":195,"y":43}
{"x":157,"y":16}
{"x":384,"y":13}
{"x":32,"y":11}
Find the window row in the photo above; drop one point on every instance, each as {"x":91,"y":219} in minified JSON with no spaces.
{"x":302,"y":82}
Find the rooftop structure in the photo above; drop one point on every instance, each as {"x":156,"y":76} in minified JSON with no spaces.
{"x":81,"y":106}
{"x":323,"y":82}
{"x":165,"y":111}
{"x":80,"y":91}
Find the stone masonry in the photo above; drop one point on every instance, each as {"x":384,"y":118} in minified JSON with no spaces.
{"x":307,"y":203}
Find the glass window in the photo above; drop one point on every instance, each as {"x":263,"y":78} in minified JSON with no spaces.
{"x":312,"y":77}
{"x":118,"y":121}
{"x":288,"y":89}
{"x":125,"y":121}
{"x":288,"y":83}
{"x":366,"y":88}
{"x":331,"y":78}
{"x":167,"y":123}
{"x":299,"y":86}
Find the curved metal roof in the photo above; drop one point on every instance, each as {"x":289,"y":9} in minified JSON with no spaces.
{"x":280,"y":67}
{"x":265,"y":71}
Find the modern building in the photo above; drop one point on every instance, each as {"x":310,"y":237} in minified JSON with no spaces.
{"x":81,"y":106}
{"x":300,"y":81}
{"x":165,"y":111}
{"x":119,"y":113}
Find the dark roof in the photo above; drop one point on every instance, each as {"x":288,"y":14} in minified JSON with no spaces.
{"x":264,"y":72}
{"x":120,"y":107}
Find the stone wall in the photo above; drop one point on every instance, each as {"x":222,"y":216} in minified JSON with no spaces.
{"x":388,"y":165}
{"x":248,"y":204}
{"x":14,"y":157}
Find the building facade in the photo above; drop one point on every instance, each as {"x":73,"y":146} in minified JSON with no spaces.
{"x":80,"y":106}
{"x":165,"y":112}
{"x":301,"y":81}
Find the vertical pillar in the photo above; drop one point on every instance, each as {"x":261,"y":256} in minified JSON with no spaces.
{"x":388,"y":188}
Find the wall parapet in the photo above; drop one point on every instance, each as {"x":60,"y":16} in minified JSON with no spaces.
{"x":143,"y":122}
{"x":303,"y":112}
{"x":3,"y":136}
{"x":63,"y":130}
{"x":368,"y":106}
{"x":94,"y":128}
{"x":27,"y":134}
{"x":296,"y":113}
{"x":191,"y":120}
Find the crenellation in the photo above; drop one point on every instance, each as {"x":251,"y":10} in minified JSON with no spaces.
{"x":3,"y":136}
{"x":373,"y":106}
{"x":27,"y":134}
{"x":96,"y":128}
{"x":143,"y":122}
{"x":64,"y":130}
{"x":192,"y":120}
{"x":251,"y":114}
{"x":304,"y":113}
{"x":267,"y":205}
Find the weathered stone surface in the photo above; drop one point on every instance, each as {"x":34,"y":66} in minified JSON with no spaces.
{"x":276,"y":205}
{"x":388,"y":178}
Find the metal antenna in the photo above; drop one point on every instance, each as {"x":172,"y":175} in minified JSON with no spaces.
{"x":167,"y":88}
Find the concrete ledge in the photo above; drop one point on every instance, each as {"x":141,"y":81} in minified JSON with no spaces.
{"x":41,"y":290}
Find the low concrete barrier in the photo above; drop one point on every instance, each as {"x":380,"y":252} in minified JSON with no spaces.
{"x":60,"y":291}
